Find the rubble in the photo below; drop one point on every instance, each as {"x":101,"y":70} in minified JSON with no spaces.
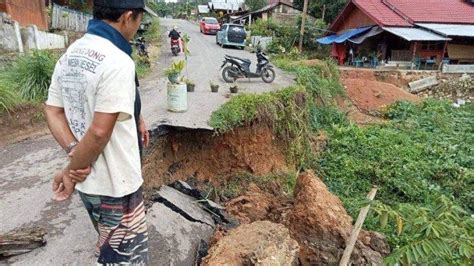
{"x":181,"y":225}
{"x":322,"y":226}
{"x":258,"y":243}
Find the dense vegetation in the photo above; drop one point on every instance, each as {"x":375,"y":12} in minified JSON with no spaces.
{"x":286,"y":36}
{"x":421,"y":159}
{"x":331,"y":8}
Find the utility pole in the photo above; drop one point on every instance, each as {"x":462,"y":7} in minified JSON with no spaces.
{"x":303,"y":22}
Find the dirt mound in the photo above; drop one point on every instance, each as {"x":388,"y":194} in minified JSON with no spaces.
{"x":321,"y":226}
{"x":371,"y":96}
{"x":256,"y":205}
{"x":258,"y":243}
{"x":205,"y":157}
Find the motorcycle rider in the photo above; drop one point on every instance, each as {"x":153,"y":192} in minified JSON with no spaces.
{"x":174,"y":35}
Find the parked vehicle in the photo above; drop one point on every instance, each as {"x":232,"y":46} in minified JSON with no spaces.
{"x":175,"y":48}
{"x":234,"y":68}
{"x":209,"y":25}
{"x":142,"y":46}
{"x":231,"y":35}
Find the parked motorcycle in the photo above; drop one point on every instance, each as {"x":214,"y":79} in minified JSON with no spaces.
{"x":234,"y":68}
{"x":142,"y":47}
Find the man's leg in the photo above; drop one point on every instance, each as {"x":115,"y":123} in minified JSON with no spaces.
{"x":123,"y":230}
{"x":92,"y":204}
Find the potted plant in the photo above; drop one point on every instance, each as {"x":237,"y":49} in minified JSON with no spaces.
{"x":234,"y":88}
{"x":214,"y":87}
{"x":190,"y":85}
{"x":174,"y":71}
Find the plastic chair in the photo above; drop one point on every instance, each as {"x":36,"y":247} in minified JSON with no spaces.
{"x":416,"y":63}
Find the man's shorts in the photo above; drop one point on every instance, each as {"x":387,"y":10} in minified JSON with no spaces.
{"x":121,"y":224}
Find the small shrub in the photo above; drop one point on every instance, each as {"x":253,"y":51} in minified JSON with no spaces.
{"x":9,"y":99}
{"x":31,"y":74}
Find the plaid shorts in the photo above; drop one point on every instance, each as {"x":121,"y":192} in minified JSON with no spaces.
{"x":121,"y":224}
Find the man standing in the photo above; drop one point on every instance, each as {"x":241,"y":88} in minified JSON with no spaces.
{"x":93,"y":109}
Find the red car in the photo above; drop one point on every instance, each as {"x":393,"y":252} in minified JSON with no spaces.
{"x":209,"y":25}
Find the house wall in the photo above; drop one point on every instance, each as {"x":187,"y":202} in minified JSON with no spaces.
{"x":27,"y":12}
{"x":423,"y":52}
{"x":355,"y":19}
{"x":284,"y":14}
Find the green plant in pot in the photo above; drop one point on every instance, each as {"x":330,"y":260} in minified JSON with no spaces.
{"x":190,"y":85}
{"x":174,"y":71}
{"x":214,"y":86}
{"x":234,"y":88}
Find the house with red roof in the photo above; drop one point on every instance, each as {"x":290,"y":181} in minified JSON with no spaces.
{"x":416,"y":32}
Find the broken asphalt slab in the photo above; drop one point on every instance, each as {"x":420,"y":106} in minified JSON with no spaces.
{"x":178,"y":226}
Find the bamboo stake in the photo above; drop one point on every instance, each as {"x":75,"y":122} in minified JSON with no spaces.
{"x":356,"y":229}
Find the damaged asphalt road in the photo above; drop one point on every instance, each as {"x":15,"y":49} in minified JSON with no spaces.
{"x":26,"y":170}
{"x":177,"y":222}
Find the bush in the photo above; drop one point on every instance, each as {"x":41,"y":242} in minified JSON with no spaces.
{"x":441,"y":234}
{"x":31,"y":74}
{"x":9,"y":99}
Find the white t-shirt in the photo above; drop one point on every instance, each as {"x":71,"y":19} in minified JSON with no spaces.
{"x":96,"y":76}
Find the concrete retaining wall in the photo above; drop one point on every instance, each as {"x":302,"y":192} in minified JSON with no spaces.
{"x":16,"y":39}
{"x":35,"y":39}
{"x":10,"y":39}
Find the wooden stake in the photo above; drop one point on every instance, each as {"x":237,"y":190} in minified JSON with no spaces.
{"x":356,"y":230}
{"x":21,"y":241}
{"x":303,"y":22}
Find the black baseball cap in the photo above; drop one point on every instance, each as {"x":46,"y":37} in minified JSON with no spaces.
{"x":125,"y":4}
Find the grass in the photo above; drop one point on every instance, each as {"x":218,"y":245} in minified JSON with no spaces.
{"x":30,"y":75}
{"x":26,"y":79}
{"x":421,"y":156}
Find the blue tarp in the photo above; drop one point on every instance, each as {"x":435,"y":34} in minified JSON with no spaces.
{"x":342,"y":37}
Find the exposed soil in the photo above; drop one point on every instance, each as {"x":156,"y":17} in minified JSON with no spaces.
{"x":26,"y":122}
{"x":202,"y":156}
{"x":257,"y":205}
{"x":371,"y":96}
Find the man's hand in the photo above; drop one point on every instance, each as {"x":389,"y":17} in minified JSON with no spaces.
{"x":144,"y":132}
{"x":79,"y":176}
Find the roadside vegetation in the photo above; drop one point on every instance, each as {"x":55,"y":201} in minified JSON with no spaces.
{"x":286,"y":36}
{"x":26,"y":79}
{"x":153,"y":38}
{"x":421,"y":159}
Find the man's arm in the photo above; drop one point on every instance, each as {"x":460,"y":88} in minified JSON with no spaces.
{"x":94,"y":141}
{"x":58,"y":125}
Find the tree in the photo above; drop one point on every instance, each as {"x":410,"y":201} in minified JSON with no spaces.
{"x":316,"y":7}
{"x":255,"y":4}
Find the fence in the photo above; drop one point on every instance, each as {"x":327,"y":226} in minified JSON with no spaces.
{"x":67,"y":19}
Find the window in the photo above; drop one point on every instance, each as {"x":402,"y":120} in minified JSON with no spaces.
{"x":211,"y":21}
{"x":432,"y":46}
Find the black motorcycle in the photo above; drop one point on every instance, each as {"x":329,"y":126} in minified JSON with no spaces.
{"x":234,"y":68}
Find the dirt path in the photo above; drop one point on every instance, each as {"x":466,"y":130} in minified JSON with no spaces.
{"x":26,"y":167}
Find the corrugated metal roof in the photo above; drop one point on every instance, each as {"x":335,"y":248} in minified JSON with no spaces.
{"x":415,"y":34}
{"x":450,"y":29}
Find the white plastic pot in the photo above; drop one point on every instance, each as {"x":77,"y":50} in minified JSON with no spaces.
{"x":177,"y":98}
